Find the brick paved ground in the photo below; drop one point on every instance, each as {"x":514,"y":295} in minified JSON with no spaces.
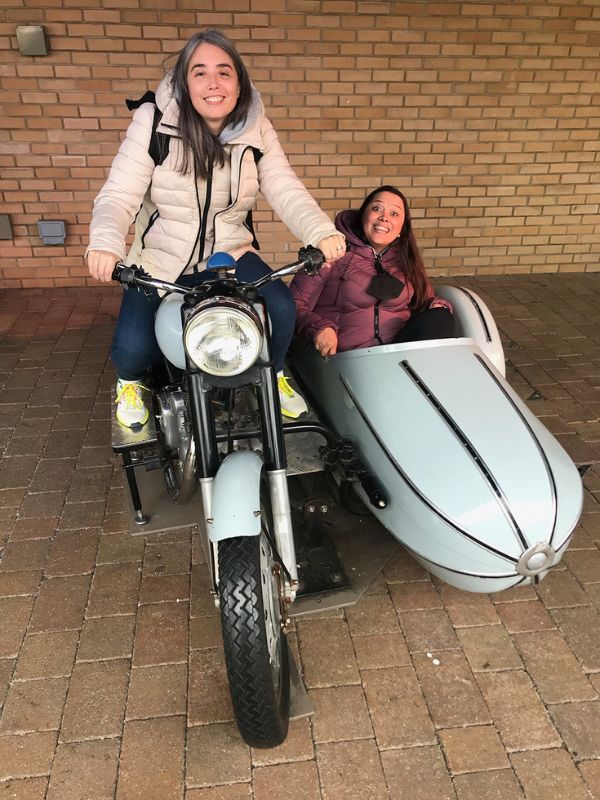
{"x":111,"y":672}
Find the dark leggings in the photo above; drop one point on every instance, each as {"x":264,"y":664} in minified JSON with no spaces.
{"x":134,"y":346}
{"x":433,"y":323}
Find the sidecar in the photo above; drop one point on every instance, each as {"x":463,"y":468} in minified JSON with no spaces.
{"x":477,"y":489}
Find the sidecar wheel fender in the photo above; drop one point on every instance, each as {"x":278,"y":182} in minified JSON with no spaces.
{"x":236,"y":497}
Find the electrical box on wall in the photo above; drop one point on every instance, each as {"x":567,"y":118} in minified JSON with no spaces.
{"x":31,"y":40}
{"x":6,"y":231}
{"x":52,"y":231}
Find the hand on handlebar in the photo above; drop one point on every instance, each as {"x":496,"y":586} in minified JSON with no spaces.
{"x":326,"y":342}
{"x":332,"y":247}
{"x":101,"y":264}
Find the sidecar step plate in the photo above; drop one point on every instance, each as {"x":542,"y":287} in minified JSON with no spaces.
{"x":363,"y":547}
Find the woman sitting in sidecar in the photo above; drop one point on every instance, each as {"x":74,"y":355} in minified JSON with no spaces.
{"x":477,"y":489}
{"x":378,"y":291}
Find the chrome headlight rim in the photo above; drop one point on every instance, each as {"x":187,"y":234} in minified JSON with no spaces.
{"x":224,"y":307}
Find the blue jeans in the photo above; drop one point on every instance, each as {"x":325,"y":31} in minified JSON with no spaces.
{"x":134,"y":346}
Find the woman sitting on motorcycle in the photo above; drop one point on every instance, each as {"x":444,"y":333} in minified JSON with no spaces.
{"x":378,"y":291}
{"x":222,"y":151}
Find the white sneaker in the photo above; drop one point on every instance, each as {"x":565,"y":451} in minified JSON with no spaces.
{"x":131,"y":411}
{"x":292,"y":404}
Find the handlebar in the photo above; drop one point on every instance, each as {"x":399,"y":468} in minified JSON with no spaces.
{"x":309,"y":259}
{"x":135,"y":276}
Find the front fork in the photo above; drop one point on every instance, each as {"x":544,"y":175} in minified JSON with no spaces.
{"x":274,"y":459}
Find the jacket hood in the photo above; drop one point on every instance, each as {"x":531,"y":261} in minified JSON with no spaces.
{"x":348,"y":223}
{"x":247,"y":132}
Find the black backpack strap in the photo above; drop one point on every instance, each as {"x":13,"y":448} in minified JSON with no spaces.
{"x":159,"y":142}
{"x":249,"y":223}
{"x":158,"y":147}
{"x":149,"y":97}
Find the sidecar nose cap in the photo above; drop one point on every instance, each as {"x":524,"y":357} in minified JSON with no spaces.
{"x":536,"y":559}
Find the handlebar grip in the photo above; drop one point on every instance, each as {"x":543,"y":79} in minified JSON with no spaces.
{"x":313,"y":259}
{"x":126,"y":275}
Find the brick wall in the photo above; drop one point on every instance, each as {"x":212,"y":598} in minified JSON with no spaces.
{"x":487,"y":115}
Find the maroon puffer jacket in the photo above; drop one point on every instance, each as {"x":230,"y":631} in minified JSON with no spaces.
{"x":337,"y":297}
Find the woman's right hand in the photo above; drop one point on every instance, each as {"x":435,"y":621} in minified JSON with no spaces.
{"x":326,"y":342}
{"x":101,"y":264}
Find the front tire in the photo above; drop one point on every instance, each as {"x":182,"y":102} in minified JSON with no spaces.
{"x":256,"y":648}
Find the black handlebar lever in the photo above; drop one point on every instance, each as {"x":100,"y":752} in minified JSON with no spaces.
{"x":313,"y":258}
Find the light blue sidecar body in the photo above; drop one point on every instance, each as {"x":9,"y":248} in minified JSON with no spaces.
{"x":478,"y":490}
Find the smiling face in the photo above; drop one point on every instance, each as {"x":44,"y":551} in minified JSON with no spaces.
{"x":213,"y":85}
{"x":382,"y":220}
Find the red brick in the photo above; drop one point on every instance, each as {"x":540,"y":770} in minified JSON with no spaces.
{"x":95,"y":705}
{"x":450,"y":690}
{"x":26,"y":755}
{"x":34,"y":706}
{"x":161,"y":635}
{"x":549,"y":773}
{"x":351,"y":770}
{"x":389,"y":693}
{"x":553,"y":667}
{"x":327,"y":653}
{"x":417,"y":772}
{"x":300,"y":779}
{"x":519,"y":715}
{"x":84,"y":769}
{"x":216,"y":754}
{"x":151,"y":761}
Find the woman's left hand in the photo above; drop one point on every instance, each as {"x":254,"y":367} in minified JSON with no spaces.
{"x":332,"y":247}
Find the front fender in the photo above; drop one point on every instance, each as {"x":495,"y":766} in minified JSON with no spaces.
{"x":236,"y":497}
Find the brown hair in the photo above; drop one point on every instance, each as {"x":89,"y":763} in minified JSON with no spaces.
{"x":411,"y":261}
{"x":199,"y":142}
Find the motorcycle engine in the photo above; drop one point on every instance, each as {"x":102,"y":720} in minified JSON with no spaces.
{"x":174,"y":420}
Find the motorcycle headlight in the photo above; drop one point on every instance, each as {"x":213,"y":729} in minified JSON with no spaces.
{"x":224,"y":339}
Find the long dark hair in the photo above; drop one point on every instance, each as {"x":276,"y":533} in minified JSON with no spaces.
{"x":411,"y":261}
{"x":198,"y":141}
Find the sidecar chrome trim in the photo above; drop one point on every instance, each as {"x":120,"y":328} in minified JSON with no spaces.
{"x":470,"y":448}
{"x":480,"y":314}
{"x":535,"y":439}
{"x":491,"y":575}
{"x":413,"y":487}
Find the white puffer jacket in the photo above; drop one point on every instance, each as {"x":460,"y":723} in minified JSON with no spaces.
{"x":174,"y":223}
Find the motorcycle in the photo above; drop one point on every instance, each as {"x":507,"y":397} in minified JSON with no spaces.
{"x":217,"y":427}
{"x":428,"y":435}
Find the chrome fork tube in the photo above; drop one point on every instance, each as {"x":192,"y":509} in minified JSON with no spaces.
{"x":210,"y":550}
{"x":282,"y":520}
